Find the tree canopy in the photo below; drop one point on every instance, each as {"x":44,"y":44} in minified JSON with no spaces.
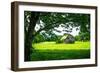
{"x":48,"y":21}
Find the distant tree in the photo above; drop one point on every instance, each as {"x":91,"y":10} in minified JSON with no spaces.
{"x":84,"y":36}
{"x":77,"y":38}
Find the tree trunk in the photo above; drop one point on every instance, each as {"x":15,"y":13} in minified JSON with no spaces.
{"x":29,"y":35}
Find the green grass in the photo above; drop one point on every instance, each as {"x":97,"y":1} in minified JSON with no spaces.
{"x":62,"y":46}
{"x":53,"y":51}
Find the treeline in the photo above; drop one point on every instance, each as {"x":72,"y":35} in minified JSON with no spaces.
{"x":83,"y":37}
{"x":46,"y":37}
{"x":57,"y":38}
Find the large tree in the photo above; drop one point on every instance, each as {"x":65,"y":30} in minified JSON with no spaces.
{"x":48,"y":22}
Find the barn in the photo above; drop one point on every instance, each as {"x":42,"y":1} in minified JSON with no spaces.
{"x":67,"y":38}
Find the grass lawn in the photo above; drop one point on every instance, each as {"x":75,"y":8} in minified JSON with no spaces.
{"x":53,"y":51}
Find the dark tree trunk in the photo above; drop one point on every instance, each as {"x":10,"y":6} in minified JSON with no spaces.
{"x":29,"y":35}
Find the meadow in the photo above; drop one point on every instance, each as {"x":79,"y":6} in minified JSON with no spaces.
{"x":53,"y":51}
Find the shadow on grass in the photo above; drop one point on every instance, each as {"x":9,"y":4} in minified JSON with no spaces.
{"x":45,"y":55}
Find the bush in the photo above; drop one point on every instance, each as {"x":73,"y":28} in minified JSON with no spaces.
{"x":38,"y":38}
{"x":83,"y":37}
{"x":77,"y":38}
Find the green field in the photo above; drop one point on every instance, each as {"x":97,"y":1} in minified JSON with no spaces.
{"x":53,"y":51}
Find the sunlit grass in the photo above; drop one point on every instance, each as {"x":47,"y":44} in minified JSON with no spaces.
{"x":61,"y":46}
{"x":53,"y":51}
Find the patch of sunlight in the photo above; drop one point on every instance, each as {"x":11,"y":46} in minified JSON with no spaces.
{"x":53,"y":46}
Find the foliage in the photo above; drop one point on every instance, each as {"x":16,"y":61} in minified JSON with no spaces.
{"x":83,"y":37}
{"x":77,"y":38}
{"x":38,"y":38}
{"x":48,"y":22}
{"x":45,"y":37}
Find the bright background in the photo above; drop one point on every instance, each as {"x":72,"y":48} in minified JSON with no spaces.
{"x":5,"y":36}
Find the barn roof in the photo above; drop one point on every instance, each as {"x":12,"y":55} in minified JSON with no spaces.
{"x":64,"y":37}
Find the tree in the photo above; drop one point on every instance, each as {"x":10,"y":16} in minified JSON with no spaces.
{"x":29,"y":33}
{"x":48,"y":21}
